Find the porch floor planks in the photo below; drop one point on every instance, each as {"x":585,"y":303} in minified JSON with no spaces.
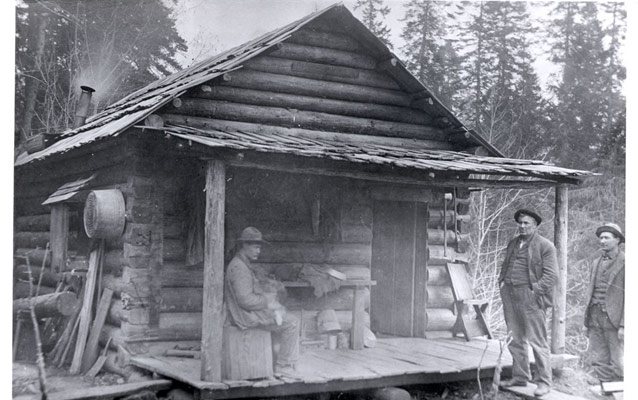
{"x":475,"y":346}
{"x":443,"y":356}
{"x":420,"y":362}
{"x":393,"y":360}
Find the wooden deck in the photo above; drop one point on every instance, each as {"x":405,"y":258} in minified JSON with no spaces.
{"x":393,"y":362}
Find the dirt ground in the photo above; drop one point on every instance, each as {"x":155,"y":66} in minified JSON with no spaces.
{"x":25,"y":379}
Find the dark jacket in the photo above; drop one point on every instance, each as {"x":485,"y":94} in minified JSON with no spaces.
{"x":615,"y":295}
{"x":245,"y":297}
{"x":542,"y":266}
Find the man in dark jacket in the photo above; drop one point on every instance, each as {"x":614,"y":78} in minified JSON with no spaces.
{"x":527,"y":280}
{"x":605,"y":314}
{"x":251,"y":300}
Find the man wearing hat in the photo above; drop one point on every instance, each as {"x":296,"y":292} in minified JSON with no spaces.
{"x":527,"y":280}
{"x":605,"y":315}
{"x":252,"y":302}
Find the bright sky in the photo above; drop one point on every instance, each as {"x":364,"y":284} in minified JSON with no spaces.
{"x":212,"y":26}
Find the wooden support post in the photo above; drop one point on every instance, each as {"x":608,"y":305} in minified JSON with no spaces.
{"x":560,"y":294}
{"x":356,"y":336}
{"x":212,"y":322}
{"x":59,"y":236}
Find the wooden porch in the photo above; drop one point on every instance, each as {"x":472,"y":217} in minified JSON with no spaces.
{"x":393,"y":362}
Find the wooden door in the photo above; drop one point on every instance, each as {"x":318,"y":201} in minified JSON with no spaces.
{"x":399,"y":257}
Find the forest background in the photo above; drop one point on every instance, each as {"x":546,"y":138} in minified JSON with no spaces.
{"x":480,"y":58}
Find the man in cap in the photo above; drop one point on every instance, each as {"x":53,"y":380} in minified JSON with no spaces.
{"x":527,"y":280}
{"x":252,"y":302}
{"x":605,"y":314}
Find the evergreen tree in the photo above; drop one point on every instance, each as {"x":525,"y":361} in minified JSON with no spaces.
{"x":374,"y":13}
{"x":429,"y":54}
{"x":115,"y":47}
{"x":581,"y":108}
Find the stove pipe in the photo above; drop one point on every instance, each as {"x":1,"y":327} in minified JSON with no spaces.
{"x":82,"y":110}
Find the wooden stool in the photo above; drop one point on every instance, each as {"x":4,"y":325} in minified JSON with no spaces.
{"x":247,"y":354}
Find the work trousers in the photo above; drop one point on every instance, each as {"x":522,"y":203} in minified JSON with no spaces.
{"x":606,"y":349}
{"x":288,"y":335}
{"x":525,"y":319}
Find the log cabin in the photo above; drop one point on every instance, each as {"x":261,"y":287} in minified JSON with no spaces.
{"x":317,"y":135}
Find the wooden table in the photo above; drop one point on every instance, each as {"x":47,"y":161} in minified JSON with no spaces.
{"x":358,"y":306}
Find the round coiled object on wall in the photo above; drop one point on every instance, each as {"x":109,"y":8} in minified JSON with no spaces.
{"x":104,"y":214}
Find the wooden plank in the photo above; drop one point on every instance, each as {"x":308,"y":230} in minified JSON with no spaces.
{"x":528,"y":393}
{"x":103,"y":392}
{"x":422,"y":293}
{"x":609,"y":387}
{"x":59,"y":238}
{"x":87,"y":305}
{"x":211,"y":368}
{"x":185,"y":370}
{"x":445,"y":362}
{"x":91,"y":350}
{"x":381,"y":268}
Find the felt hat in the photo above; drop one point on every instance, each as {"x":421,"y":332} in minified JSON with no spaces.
{"x":251,"y":235}
{"x":611,"y":227}
{"x":530,"y":213}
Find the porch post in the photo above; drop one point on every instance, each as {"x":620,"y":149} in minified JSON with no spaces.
{"x":560,"y":294}
{"x":212,"y":323}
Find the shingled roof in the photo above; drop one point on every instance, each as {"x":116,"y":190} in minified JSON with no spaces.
{"x":132,"y":109}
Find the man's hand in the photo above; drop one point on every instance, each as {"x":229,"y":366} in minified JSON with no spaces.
{"x":621,"y":333}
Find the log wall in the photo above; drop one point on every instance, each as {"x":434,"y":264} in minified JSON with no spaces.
{"x":316,"y":80}
{"x":32,"y":221}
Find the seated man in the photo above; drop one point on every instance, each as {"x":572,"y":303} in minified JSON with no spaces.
{"x":251,"y":298}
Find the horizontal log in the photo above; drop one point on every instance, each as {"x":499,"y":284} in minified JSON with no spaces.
{"x":308,"y":103}
{"x":175,"y":300}
{"x":114,"y":332}
{"x":438,"y":236}
{"x":116,"y":284}
{"x":174,"y":250}
{"x":317,"y":88}
{"x":30,"y":206}
{"x":356,"y":254}
{"x":322,"y":72}
{"x":323,"y":55}
{"x":179,"y":276}
{"x":48,"y":305}
{"x":116,"y":313}
{"x":235,"y":126}
{"x":440,"y":297}
{"x":437,"y":275}
{"x":355,"y":233}
{"x":439,"y":319}
{"x":22,"y":290}
{"x":325,"y":39}
{"x":304,"y":119}
{"x":174,"y":227}
{"x":303,"y":298}
{"x":48,"y":278}
{"x":36,"y":256}
{"x":114,"y":261}
{"x":33,"y":223}
{"x":437,"y":216}
{"x":439,"y":255}
{"x":30,"y":239}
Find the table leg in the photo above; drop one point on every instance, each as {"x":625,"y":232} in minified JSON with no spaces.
{"x":356,"y":336}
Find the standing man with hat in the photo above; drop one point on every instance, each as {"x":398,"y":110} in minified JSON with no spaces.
{"x":252,"y":302}
{"x":527,"y":280}
{"x":605,"y":314}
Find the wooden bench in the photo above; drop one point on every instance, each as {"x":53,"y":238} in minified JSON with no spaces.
{"x":464,"y":297}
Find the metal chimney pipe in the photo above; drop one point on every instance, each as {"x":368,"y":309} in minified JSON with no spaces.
{"x":82,"y":110}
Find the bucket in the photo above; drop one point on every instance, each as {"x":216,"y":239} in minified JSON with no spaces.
{"x":104,"y":214}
